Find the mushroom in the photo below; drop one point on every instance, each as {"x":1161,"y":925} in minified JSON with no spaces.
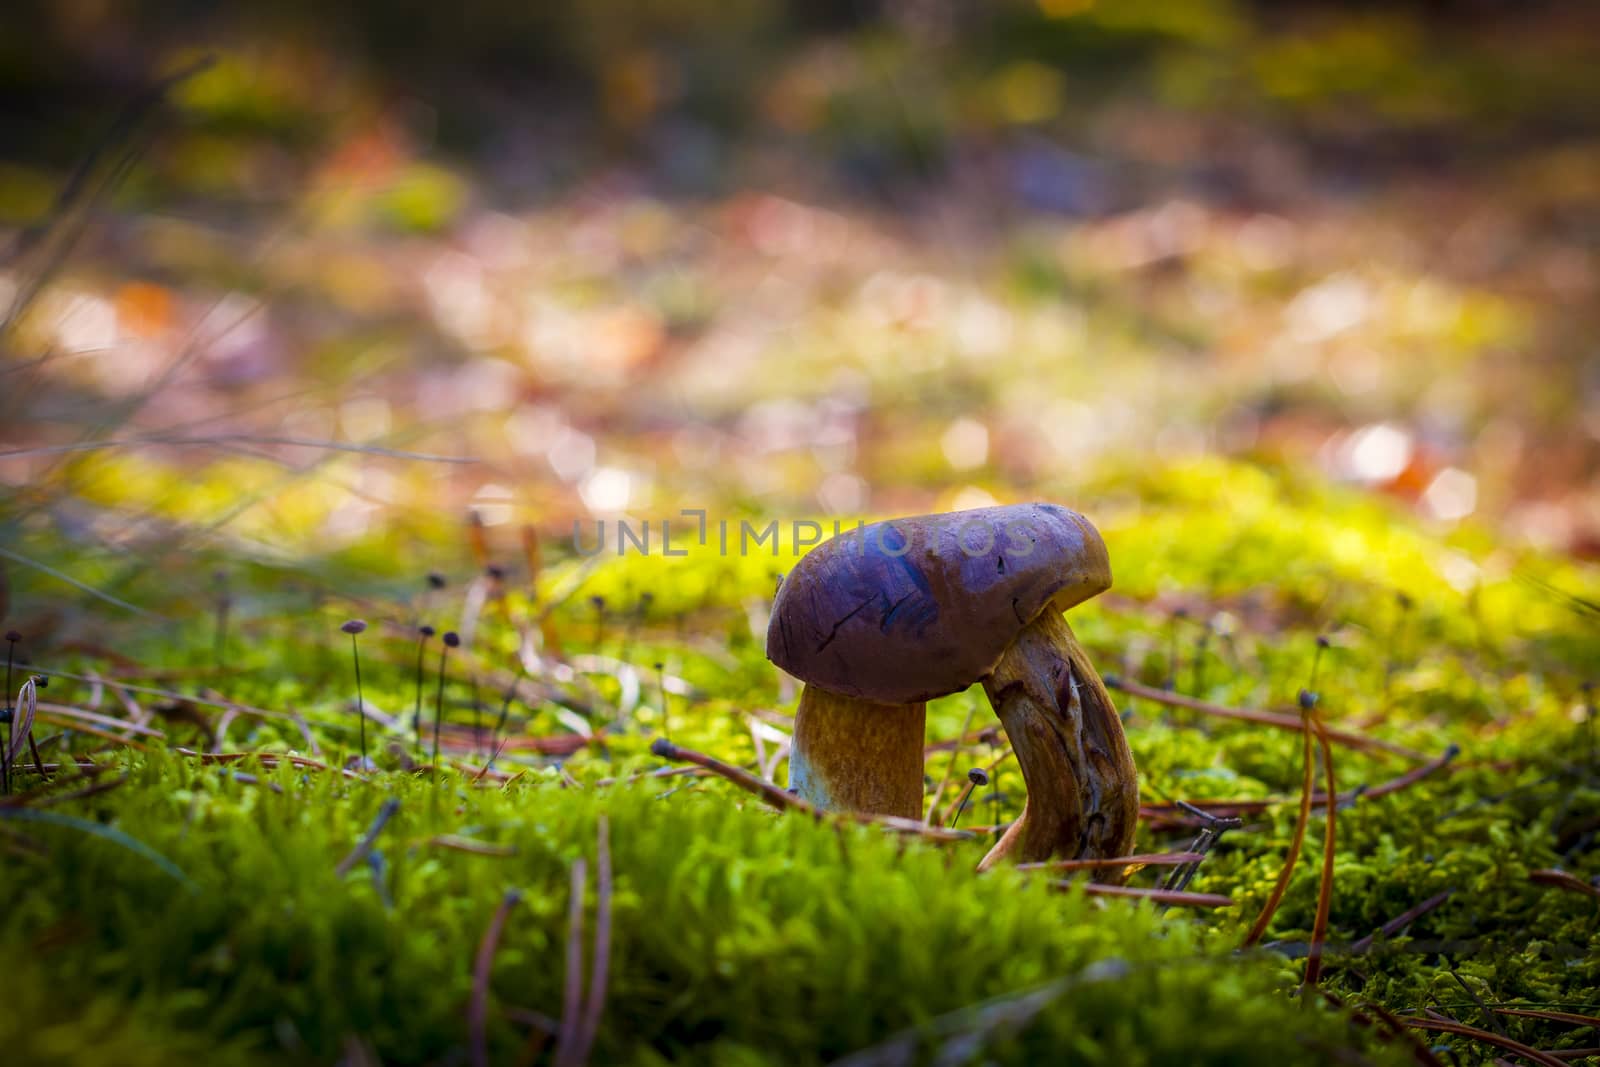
{"x":880,"y":620}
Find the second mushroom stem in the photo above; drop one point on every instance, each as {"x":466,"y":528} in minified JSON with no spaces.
{"x":1083,"y":789}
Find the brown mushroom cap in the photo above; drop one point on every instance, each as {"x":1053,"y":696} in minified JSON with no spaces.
{"x":912,"y":609}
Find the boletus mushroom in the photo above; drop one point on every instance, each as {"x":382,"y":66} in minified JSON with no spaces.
{"x":881,"y":619}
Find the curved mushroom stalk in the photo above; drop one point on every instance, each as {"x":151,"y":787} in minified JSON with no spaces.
{"x":1083,"y":789}
{"x":856,"y":755}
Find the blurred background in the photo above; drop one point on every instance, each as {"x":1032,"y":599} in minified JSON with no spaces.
{"x":785,"y":259}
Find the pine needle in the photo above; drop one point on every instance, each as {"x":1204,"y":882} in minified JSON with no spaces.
{"x":784,"y":800}
{"x":478,"y":1007}
{"x":1451,"y":1027}
{"x":572,"y":997}
{"x":600,"y":960}
{"x":1159,"y":896}
{"x":1266,"y":718}
{"x":1562,"y":880}
{"x":1295,"y":841}
{"x":1146,"y":859}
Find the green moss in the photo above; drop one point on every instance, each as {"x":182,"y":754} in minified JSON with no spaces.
{"x":738,"y":933}
{"x":746,"y":937}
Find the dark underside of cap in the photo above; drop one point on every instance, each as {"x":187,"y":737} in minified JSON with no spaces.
{"x":913,"y":609}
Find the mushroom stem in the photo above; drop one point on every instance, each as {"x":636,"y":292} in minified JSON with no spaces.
{"x":1083,"y":789}
{"x":855,"y":755}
